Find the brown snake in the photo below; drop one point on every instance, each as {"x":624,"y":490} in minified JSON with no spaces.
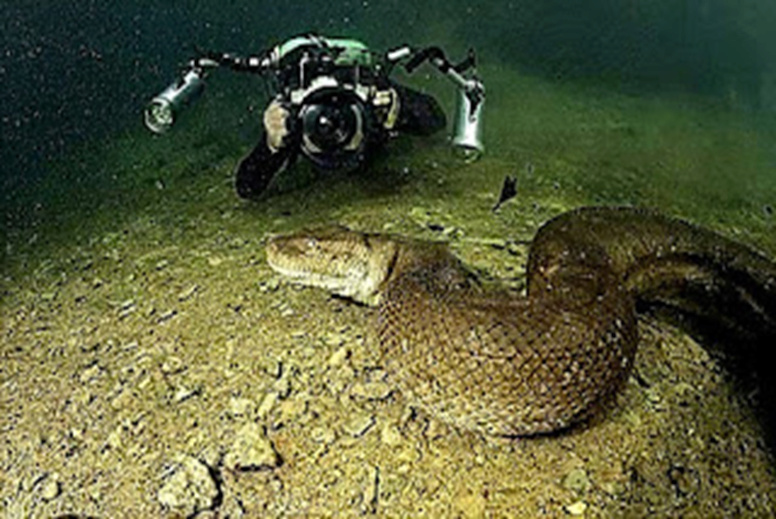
{"x":487,"y":360}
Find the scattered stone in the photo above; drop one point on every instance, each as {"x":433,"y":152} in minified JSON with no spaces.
{"x":188,"y":292}
{"x":282,"y":386}
{"x":252,"y":450}
{"x":323,"y":435}
{"x":90,"y":373}
{"x":334,"y":339}
{"x":166,"y":316}
{"x":241,"y":406}
{"x":436,"y":429}
{"x":372,"y":494}
{"x":126,"y":308}
{"x":189,"y":488}
{"x":270,"y":285}
{"x":471,"y":504}
{"x":359,"y":425}
{"x":49,"y":488}
{"x":390,"y":435}
{"x":376,"y":390}
{"x":577,"y":480}
{"x":685,"y":480}
{"x":274,"y":368}
{"x":172,"y":365}
{"x":339,"y":357}
{"x":184,"y":393}
{"x":577,"y":508}
{"x":270,"y":399}
{"x":291,"y":410}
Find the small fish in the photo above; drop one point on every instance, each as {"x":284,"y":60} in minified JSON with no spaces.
{"x":508,"y":191}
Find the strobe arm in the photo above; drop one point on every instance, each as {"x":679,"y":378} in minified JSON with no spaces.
{"x":472,"y":87}
{"x":467,"y":133}
{"x":255,"y":64}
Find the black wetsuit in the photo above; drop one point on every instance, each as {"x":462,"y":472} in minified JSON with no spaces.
{"x":419,"y":114}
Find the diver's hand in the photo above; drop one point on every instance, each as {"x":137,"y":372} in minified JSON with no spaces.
{"x":275,"y":119}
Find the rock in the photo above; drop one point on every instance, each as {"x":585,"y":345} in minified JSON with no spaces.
{"x":359,"y":425}
{"x":372,"y":493}
{"x":189,"y":488}
{"x":390,"y":435}
{"x":291,"y":410}
{"x":323,"y":435}
{"x":252,"y":450}
{"x":339,"y":357}
{"x":375,"y":390}
{"x":185,"y":294}
{"x":49,"y":488}
{"x":270,"y":285}
{"x":577,"y":481}
{"x":470,"y":504}
{"x":577,"y":508}
{"x":183,"y":393}
{"x":172,"y":365}
{"x":241,"y":406}
{"x":266,"y":406}
{"x":90,"y":373}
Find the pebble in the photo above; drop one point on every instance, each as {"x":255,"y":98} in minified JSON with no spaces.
{"x":577,"y":480}
{"x":471,"y":504}
{"x":189,"y":488}
{"x":577,"y":508}
{"x":271,"y":285}
{"x":187,"y":293}
{"x":359,"y":425}
{"x":390,"y":435}
{"x":291,"y":410}
{"x":375,"y":390}
{"x":252,"y":450}
{"x":172,"y":365}
{"x":266,"y":406}
{"x":49,"y":488}
{"x":167,"y":315}
{"x":339,"y":357}
{"x":184,"y":393}
{"x":323,"y":435}
{"x":241,"y":406}
{"x":90,"y":373}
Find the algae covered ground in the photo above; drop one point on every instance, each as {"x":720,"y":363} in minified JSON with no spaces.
{"x":154,"y":366}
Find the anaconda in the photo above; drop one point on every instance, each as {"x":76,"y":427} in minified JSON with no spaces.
{"x":488,"y":360}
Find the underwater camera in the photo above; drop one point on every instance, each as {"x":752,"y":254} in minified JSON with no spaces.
{"x":337,"y":93}
{"x":334,"y":124}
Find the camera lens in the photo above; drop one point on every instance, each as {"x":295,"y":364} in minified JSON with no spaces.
{"x":330,"y":127}
{"x":334,"y":125}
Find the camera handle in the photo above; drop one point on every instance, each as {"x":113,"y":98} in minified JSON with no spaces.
{"x":467,"y":133}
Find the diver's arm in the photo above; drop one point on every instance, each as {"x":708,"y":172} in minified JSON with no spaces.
{"x":257,"y":169}
{"x":276,"y":148}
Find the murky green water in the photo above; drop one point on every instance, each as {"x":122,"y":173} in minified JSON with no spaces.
{"x":143,"y":335}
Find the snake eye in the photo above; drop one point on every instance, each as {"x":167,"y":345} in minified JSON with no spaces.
{"x":312,"y":244}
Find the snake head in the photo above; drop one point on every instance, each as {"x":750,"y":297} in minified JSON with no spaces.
{"x":347,"y":263}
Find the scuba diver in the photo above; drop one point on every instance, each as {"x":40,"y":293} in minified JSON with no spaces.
{"x":333,"y":101}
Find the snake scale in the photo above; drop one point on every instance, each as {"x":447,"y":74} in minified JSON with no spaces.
{"x":488,"y":360}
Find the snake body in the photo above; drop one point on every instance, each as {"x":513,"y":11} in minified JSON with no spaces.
{"x":484,"y":359}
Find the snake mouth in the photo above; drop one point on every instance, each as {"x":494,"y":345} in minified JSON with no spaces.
{"x":338,"y":260}
{"x":337,"y":284}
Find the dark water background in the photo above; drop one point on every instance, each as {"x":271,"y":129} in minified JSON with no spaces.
{"x":78,"y":71}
